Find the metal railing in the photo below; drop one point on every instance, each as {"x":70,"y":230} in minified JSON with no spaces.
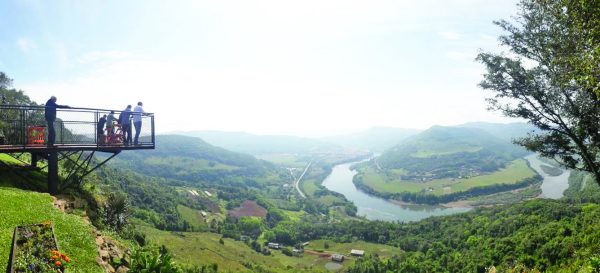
{"x":25,"y":125}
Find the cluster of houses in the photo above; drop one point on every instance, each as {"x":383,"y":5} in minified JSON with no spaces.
{"x":336,"y":257}
{"x":354,"y":252}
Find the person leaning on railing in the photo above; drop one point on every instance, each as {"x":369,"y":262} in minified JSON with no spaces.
{"x":50,"y":115}
{"x":100,"y":130}
{"x":137,"y":121}
{"x":110,"y":120}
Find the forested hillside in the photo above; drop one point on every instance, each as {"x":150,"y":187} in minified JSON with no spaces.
{"x":193,"y":161}
{"x":441,"y":152}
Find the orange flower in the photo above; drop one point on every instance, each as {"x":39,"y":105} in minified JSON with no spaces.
{"x":67,"y":259}
{"x":57,"y":263}
{"x":63,"y":256}
{"x":54,"y":258}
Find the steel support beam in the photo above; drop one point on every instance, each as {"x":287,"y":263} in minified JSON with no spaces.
{"x":53,"y":172}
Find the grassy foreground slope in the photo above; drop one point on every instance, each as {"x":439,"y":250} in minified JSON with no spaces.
{"x":74,"y":236}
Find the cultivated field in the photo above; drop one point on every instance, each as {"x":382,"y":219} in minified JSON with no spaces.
{"x":516,"y":171}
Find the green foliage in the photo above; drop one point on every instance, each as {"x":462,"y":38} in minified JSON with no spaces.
{"x":544,"y":234}
{"x":149,"y":260}
{"x":116,"y":211}
{"x":551,"y":79}
{"x":551,"y":171}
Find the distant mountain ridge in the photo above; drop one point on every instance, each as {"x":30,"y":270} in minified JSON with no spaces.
{"x":263,"y":144}
{"x":376,"y":139}
{"x":506,"y":131}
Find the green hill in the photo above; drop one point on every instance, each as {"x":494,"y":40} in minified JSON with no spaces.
{"x":376,"y":139}
{"x":263,"y":144}
{"x":441,"y":152}
{"x":193,"y":160}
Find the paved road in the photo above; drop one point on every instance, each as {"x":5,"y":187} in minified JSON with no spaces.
{"x":297,"y":182}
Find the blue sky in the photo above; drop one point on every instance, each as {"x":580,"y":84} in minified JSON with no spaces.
{"x":272,"y":67}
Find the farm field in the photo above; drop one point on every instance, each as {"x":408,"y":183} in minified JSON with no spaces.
{"x":203,"y":248}
{"x":513,"y":173}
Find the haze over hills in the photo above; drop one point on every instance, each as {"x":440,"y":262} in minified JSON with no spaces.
{"x":506,"y":131}
{"x":376,"y":139}
{"x":263,"y":144}
{"x":191,"y":158}
{"x":439,"y":151}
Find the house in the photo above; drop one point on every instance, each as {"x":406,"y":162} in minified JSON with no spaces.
{"x":305,"y":243}
{"x":274,"y":245}
{"x":204,"y":214}
{"x":337,"y":258}
{"x":297,"y":251}
{"x":208,"y":194}
{"x":357,"y":253}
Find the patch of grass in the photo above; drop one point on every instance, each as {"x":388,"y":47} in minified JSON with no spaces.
{"x":75,"y":238}
{"x":195,"y":164}
{"x":288,"y":160}
{"x":294,"y":215}
{"x":383,"y":251}
{"x":309,"y":186}
{"x":516,"y":171}
{"x":193,"y":217}
{"x":446,"y":150}
{"x":203,"y":248}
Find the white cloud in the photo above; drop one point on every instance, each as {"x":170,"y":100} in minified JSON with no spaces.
{"x":449,"y":35}
{"x":96,"y":56}
{"x":26,"y":45}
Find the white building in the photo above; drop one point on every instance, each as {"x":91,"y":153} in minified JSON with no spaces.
{"x":358,"y":253}
{"x":337,"y":258}
{"x":274,"y":245}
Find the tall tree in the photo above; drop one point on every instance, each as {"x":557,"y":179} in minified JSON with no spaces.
{"x":551,"y":78}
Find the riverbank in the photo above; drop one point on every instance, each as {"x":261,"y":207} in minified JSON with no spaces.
{"x":375,"y":208}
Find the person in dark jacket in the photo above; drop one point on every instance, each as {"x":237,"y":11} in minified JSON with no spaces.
{"x":100,"y":130}
{"x":50,"y":115}
{"x":125,"y":121}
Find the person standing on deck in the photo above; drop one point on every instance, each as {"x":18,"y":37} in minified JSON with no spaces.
{"x":125,"y":121}
{"x":50,"y":116}
{"x":100,"y":130}
{"x":137,"y":121}
{"x":110,"y":120}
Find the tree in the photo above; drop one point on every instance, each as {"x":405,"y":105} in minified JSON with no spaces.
{"x":5,"y":81}
{"x":551,"y":78}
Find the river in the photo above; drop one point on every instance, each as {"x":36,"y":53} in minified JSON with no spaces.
{"x":553,"y":186}
{"x":375,"y":208}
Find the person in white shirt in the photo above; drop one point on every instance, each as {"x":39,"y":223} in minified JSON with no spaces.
{"x":137,"y":121}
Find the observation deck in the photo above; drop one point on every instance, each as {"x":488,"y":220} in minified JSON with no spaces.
{"x":23,"y":130}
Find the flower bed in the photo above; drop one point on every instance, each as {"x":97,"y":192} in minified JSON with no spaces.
{"x":35,"y":250}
